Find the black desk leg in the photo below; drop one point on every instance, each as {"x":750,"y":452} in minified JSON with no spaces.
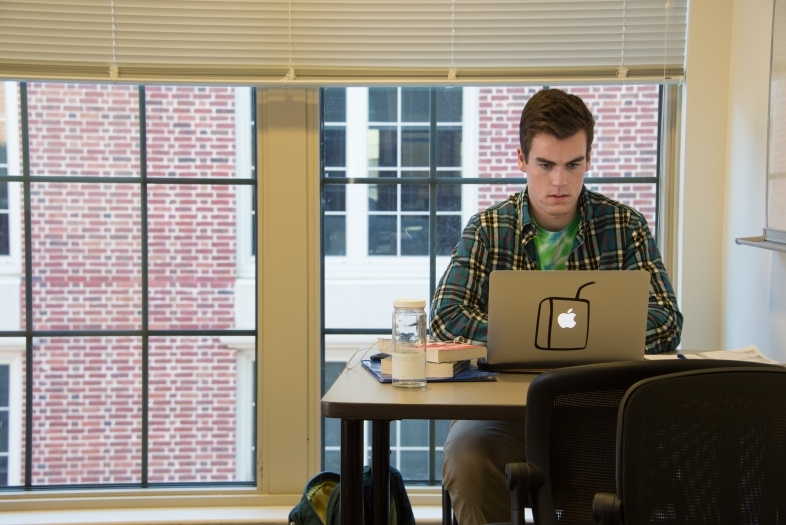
{"x":447,"y":508}
{"x":351,"y":472}
{"x":380,"y":471}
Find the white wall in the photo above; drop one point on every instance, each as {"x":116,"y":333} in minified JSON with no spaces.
{"x":703,"y":168}
{"x":730,"y":295}
{"x":754,"y":280}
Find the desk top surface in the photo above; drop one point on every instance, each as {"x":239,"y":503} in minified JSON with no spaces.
{"x":357,"y":395}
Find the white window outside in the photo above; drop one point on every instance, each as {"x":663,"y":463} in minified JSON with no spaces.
{"x":10,"y":416}
{"x":361,"y":285}
{"x":245,"y":287}
{"x":12,"y":348}
{"x":10,"y":164}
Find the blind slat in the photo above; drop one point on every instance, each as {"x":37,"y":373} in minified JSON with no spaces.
{"x":347,"y":41}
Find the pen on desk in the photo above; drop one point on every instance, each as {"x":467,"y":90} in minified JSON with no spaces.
{"x":680,"y":356}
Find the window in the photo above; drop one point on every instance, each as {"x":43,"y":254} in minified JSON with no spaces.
{"x":5,"y":230}
{"x":10,"y":416}
{"x":399,"y":133}
{"x":245,"y":167}
{"x":334,"y":163}
{"x":11,"y":348}
{"x":5,"y":411}
{"x":9,"y":191}
{"x":410,"y":165}
{"x":135,"y":323}
{"x":5,"y":238}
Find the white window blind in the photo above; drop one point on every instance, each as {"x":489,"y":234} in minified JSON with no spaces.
{"x":347,"y":42}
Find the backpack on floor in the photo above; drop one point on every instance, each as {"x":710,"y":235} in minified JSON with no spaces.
{"x":321,"y":501}
{"x":312,"y":508}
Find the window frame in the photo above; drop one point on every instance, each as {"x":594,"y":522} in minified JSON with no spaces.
{"x":407,"y":267}
{"x":342,"y":124}
{"x":357,"y":262}
{"x":399,"y":214}
{"x":287,"y":426}
{"x":14,"y":341}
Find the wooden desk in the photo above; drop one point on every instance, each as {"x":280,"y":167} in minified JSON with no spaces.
{"x":356,"y":396}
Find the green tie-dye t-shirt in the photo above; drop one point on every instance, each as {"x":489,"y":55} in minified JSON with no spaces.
{"x":553,"y":248}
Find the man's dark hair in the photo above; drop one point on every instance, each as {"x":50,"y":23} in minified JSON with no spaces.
{"x":557,"y":113}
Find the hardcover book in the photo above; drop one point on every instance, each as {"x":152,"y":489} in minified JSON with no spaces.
{"x":445,"y":351}
{"x":441,"y":351}
{"x":433,"y":370}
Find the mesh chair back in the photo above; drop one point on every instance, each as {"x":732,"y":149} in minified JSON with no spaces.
{"x":571,"y":432}
{"x":581,"y":459}
{"x":705,"y":447}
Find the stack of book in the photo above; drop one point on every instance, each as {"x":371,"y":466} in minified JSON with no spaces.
{"x":443,"y":358}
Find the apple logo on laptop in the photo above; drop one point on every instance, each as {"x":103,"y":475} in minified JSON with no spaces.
{"x":567,"y":320}
{"x":568,"y":330}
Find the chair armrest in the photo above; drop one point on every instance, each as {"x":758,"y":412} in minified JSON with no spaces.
{"x":606,"y":509}
{"x":521,"y":478}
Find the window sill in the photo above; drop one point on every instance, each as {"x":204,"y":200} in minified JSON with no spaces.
{"x":175,"y":507}
{"x":267,"y":515}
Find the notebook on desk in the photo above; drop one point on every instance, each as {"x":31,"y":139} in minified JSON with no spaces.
{"x":539,"y":320}
{"x":469,"y":374}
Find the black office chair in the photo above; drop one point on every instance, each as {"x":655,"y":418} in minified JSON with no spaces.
{"x":705,"y":446}
{"x":571,"y":430}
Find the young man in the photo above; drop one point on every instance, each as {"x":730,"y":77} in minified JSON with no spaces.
{"x":555,"y":223}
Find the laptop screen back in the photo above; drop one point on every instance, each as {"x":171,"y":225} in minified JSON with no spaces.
{"x":547,"y":319}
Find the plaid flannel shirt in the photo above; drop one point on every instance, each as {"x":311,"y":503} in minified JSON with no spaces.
{"x":611,"y":236}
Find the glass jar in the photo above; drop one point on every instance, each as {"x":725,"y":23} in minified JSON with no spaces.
{"x":409,"y":343}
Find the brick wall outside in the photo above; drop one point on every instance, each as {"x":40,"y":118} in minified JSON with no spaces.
{"x":625,"y":142}
{"x":87,"y":276}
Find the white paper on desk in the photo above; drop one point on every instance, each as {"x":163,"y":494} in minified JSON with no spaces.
{"x":658,"y":357}
{"x":749,"y":354}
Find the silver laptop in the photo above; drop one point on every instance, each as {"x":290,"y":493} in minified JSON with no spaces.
{"x":540,"y":320}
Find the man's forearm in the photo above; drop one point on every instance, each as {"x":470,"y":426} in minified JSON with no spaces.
{"x":664,"y":327}
{"x":452,"y":321}
{"x":664,"y":320}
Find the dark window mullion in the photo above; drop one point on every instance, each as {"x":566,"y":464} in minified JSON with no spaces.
{"x":432,"y":201}
{"x":658,"y":166}
{"x":399,"y":164}
{"x":486,"y":181}
{"x":356,"y":331}
{"x":321,"y":268}
{"x":128,"y":333}
{"x":145,"y":337}
{"x":28,"y":290}
{"x":432,"y":450}
{"x":92,"y":179}
{"x":432,"y":248}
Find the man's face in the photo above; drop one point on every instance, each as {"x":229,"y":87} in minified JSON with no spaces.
{"x":555,"y":175}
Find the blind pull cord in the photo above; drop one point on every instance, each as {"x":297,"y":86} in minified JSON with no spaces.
{"x":666,"y":38}
{"x":452,"y":70}
{"x":622,"y":72}
{"x":114,"y":73}
{"x":290,"y":76}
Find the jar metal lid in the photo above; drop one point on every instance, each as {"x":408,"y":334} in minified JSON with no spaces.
{"x":409,"y":303}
